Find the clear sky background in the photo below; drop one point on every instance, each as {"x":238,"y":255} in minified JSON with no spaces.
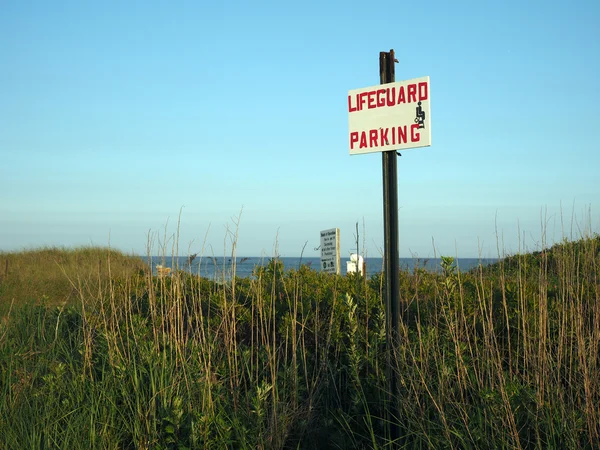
{"x":120,"y":118}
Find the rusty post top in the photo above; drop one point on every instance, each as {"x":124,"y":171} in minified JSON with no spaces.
{"x":386,"y":67}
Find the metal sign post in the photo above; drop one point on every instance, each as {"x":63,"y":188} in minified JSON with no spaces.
{"x":391,"y":254}
{"x":385,"y":118}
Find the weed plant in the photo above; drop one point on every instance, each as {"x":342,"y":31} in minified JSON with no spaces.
{"x":504,"y":356}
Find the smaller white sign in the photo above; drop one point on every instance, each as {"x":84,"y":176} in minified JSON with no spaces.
{"x":330,"y":250}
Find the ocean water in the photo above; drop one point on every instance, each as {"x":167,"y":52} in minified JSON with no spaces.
{"x":222,"y":268}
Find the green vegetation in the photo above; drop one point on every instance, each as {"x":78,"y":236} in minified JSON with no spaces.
{"x":500,"y":357}
{"x":56,"y":276}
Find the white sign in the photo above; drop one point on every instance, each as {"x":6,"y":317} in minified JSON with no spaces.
{"x":330,"y":250}
{"x":392,"y":116}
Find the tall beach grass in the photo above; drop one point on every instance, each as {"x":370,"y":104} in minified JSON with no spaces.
{"x":504,"y":356}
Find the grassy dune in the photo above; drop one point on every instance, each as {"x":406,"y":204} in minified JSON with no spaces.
{"x":53,"y":276}
{"x":505,"y":356}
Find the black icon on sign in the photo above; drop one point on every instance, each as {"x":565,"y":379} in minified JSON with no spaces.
{"x":420,"y":119}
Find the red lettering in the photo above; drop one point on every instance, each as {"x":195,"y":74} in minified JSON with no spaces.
{"x":350,"y":107}
{"x":423,"y":94}
{"x":380,"y":98}
{"x":381,"y":137}
{"x":384,"y":136}
{"x":391,"y":100}
{"x":361,"y":100}
{"x":412,"y":93}
{"x":402,"y":134}
{"x":371,"y":97}
{"x":390,"y":96}
{"x":363,"y":140}
{"x":401,"y":95}
{"x":353,"y":139}
{"x":372,"y":138}
{"x":415,"y":136}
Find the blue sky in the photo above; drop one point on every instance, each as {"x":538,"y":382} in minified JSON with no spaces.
{"x":119,"y":119}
